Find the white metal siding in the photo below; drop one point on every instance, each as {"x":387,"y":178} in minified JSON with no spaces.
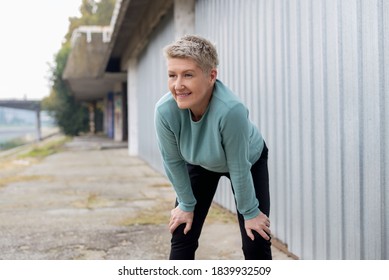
{"x":315,"y":77}
{"x":151,"y":85}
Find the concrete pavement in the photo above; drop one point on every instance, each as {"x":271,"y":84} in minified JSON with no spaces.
{"x":93,"y":201}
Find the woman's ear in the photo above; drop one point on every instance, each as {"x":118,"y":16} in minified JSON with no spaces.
{"x":213,"y":75}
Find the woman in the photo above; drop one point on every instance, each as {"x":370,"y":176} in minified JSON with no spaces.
{"x":204,"y":133}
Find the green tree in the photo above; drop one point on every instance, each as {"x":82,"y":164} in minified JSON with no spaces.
{"x":92,"y":13}
{"x":71,"y":116}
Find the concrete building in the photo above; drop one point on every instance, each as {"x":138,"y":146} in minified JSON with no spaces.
{"x":314,"y":75}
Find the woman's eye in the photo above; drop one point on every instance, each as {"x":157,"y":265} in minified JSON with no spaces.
{"x":171,"y":76}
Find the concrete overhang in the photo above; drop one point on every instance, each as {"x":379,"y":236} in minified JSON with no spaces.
{"x":99,"y":55}
{"x":131,"y":29}
{"x":88,"y":89}
{"x":83,"y":71}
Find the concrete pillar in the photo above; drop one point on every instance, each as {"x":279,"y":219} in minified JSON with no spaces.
{"x":92,"y":108}
{"x":132,"y":106}
{"x":110,"y":115}
{"x":118,"y":111}
{"x":105,"y":114}
{"x":184,"y":17}
{"x":38,"y":125}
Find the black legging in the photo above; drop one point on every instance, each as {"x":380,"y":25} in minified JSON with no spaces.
{"x":204,"y":184}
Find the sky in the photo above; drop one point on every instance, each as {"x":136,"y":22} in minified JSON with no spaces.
{"x":31,"y":34}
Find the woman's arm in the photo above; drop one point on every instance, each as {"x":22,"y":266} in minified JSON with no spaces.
{"x":236,"y":136}
{"x":174,"y":165}
{"x":236,"y":141}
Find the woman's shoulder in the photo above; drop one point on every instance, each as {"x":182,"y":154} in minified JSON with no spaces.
{"x":166,"y":110}
{"x":164,"y":100}
{"x":224,"y":98}
{"x":166,"y":104}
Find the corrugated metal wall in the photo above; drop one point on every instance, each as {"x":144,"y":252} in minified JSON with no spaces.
{"x":151,"y":85}
{"x":315,"y":77}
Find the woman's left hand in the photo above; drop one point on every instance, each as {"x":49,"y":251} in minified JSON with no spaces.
{"x":260,"y":224}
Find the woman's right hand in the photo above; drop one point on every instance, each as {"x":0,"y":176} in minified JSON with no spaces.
{"x":178,"y":217}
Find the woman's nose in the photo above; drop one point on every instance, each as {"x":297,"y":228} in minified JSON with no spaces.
{"x":178,"y":85}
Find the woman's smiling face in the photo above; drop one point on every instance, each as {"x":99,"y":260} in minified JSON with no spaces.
{"x":190,"y":85}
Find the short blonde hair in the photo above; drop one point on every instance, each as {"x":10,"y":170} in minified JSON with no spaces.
{"x":202,"y":51}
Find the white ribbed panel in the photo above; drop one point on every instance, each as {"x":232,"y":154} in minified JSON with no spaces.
{"x":315,"y":77}
{"x":151,"y":85}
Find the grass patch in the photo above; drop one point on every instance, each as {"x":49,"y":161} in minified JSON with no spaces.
{"x":161,"y":215}
{"x":92,"y":201}
{"x":46,"y":149}
{"x":219,"y":214}
{"x":11,"y":144}
{"x":157,"y":215}
{"x":24,"y":178}
{"x":148,"y":218}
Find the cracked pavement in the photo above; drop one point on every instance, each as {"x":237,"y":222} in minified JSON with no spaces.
{"x":93,"y":201}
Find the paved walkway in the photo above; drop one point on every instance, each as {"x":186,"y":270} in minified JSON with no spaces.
{"x":93,"y":201}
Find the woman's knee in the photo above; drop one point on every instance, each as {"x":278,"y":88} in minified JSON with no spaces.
{"x":259,"y":249}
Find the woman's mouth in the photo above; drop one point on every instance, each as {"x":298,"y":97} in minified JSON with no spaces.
{"x":183,"y":95}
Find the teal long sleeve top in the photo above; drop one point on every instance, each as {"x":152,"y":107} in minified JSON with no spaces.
{"x":224,"y":140}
